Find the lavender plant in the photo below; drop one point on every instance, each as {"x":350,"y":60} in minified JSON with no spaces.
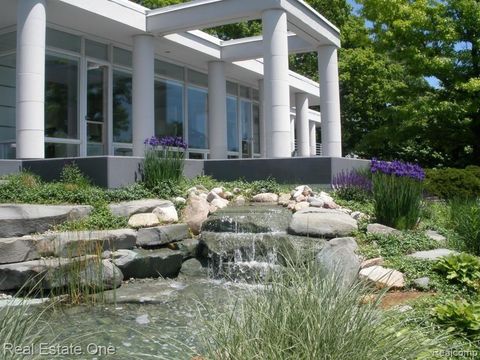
{"x":352,"y":185}
{"x":397,"y":192}
{"x":164,"y":160}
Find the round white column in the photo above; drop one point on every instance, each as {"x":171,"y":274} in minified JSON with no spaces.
{"x":30,"y":76}
{"x":330,"y":101}
{"x":276,"y":84}
{"x":313,"y":139}
{"x":263,"y":128}
{"x":301,"y":124}
{"x":217,"y":110}
{"x":143,"y":91}
{"x":292,"y":135}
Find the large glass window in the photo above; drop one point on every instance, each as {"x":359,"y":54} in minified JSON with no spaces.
{"x":169,"y":70}
{"x":232,"y":123}
{"x":8,"y":41}
{"x":63,"y":40}
{"x":197,"y":117}
{"x":7,"y":106}
{"x":122,"y":107}
{"x":246,"y":122}
{"x":256,"y":128}
{"x":96,"y":50}
{"x":168,"y":108}
{"x":61,"y":94}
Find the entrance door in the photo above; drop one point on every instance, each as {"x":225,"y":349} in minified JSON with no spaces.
{"x":97,"y":109}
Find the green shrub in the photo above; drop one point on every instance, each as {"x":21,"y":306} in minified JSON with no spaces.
{"x":461,"y":268}
{"x":462,"y":315}
{"x":304,"y":315}
{"x":452,"y":183}
{"x":465,"y":221}
{"x":269,"y":185}
{"x":397,"y":193}
{"x":71,"y":174}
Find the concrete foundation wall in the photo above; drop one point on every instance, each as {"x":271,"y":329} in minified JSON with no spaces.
{"x":116,"y":171}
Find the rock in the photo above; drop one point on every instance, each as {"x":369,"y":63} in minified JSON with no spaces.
{"x":129,"y":208}
{"x":330,"y":205}
{"x":381,"y":229}
{"x":372,"y":262}
{"x":212,"y":209}
{"x":13,"y":250}
{"x":24,"y":219}
{"x":166,"y":214}
{"x":188,"y":247}
{"x":325,"y":197}
{"x":338,"y":259}
{"x":237,"y":191}
{"x":220,"y":203}
{"x":219,"y":191}
{"x":203,"y":196}
{"x":301,"y":190}
{"x":316,"y":202}
{"x":403,"y":308}
{"x":422,"y":283}
{"x":141,"y":264}
{"x":358,"y":215}
{"x":248,"y":220}
{"x":212,"y":196}
{"x":383,"y":277}
{"x":300,"y":198}
{"x":49,"y":274}
{"x":195,"y":213}
{"x":240,"y":200}
{"x":194,"y":268}
{"x":436,"y":236}
{"x":291,"y":205}
{"x":283,"y":199}
{"x":161,"y":235}
{"x":265,"y":198}
{"x":143,"y":220}
{"x":322,"y":223}
{"x":78,"y":243}
{"x":432,"y":255}
{"x":228,"y":195}
{"x":302,"y":205}
{"x":179,"y":200}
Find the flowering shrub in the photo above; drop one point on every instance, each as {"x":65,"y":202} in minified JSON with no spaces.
{"x":352,"y":185}
{"x":397,"y":192}
{"x":164,"y":160}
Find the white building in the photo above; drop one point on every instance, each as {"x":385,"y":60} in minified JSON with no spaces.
{"x":98,"y":77}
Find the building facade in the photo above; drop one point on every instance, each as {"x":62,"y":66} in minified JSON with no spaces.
{"x":97,"y":77}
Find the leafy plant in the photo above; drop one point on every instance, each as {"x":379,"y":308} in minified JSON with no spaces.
{"x":164,"y":160}
{"x":460,"y":314}
{"x":101,"y":218}
{"x":352,"y":185}
{"x":71,"y":174}
{"x":450,"y":183}
{"x":397,"y":193}
{"x":268,"y":185}
{"x":462,"y":268}
{"x":465,"y":221}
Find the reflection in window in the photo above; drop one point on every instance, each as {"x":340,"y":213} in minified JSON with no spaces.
{"x":168,"y":108}
{"x":61,"y":92}
{"x":7,"y":106}
{"x":54,"y":150}
{"x":246,"y":121}
{"x":256,"y":128}
{"x":122,"y":107}
{"x":197,"y":118}
{"x":232,"y":123}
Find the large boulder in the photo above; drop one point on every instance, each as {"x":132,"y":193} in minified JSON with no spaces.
{"x":14,"y":250}
{"x":194,"y":268}
{"x":166,"y":213}
{"x":140,"y":263}
{"x":251,"y":219}
{"x":338,"y":259}
{"x":383,"y":277}
{"x":73,"y":244}
{"x":196,"y":212}
{"x":323,"y":223}
{"x":161,"y":235}
{"x":24,"y":219}
{"x":188,"y":247}
{"x":87,"y":271}
{"x":143,"y":220}
{"x":129,"y":208}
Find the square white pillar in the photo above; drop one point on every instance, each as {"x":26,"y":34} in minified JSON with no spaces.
{"x":143,"y":92}
{"x":217,"y":110}
{"x":330,"y":101}
{"x":30,"y":77}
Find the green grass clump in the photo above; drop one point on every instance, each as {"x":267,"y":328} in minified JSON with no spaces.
{"x":465,"y":221}
{"x":101,"y":218}
{"x":304,"y":315}
{"x":162,"y":165}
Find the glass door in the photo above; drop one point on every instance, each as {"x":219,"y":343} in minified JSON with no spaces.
{"x":97,"y":108}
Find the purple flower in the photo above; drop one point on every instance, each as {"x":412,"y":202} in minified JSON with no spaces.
{"x":351,"y":179}
{"x":166,"y":142}
{"x":398,"y":168}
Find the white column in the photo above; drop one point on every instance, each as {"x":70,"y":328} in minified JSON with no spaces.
{"x":143,"y":91}
{"x":263,"y":129}
{"x":30,"y":75}
{"x":313,"y":139}
{"x":330,"y":101}
{"x":277,"y":89}
{"x":217,"y":110}
{"x":292,"y":134}
{"x":301,"y":124}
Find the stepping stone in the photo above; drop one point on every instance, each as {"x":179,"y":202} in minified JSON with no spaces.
{"x":432,"y":255}
{"x":383,"y":277}
{"x":381,"y":229}
{"x":435,"y":236}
